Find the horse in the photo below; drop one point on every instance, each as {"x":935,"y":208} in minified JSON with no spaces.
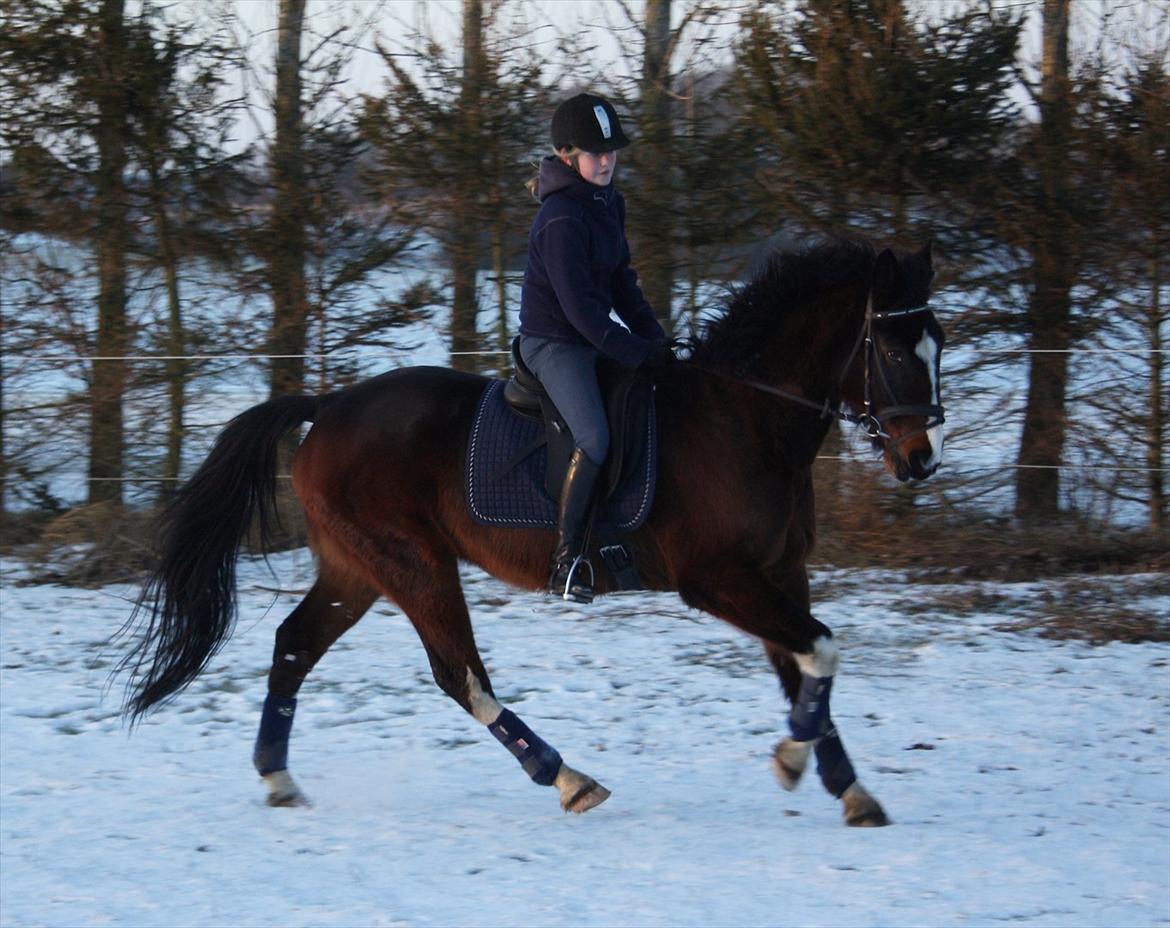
{"x":835,"y":330}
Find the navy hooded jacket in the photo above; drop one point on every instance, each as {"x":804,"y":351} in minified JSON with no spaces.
{"x":579,"y":269}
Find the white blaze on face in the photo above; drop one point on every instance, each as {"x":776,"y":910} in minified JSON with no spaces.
{"x":927,"y":350}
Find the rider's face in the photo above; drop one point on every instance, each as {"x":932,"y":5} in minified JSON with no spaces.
{"x":597,"y":169}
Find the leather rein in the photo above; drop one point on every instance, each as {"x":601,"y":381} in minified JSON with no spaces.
{"x":870,"y":422}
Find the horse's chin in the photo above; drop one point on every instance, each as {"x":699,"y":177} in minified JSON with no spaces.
{"x":896,"y":466}
{"x":917,"y":467}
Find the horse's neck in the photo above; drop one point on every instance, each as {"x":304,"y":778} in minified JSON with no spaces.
{"x":810,"y":363}
{"x":813,"y":360}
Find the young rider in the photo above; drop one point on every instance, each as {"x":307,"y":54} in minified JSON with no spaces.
{"x":578,"y":271}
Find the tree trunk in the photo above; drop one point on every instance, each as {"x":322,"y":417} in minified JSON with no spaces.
{"x":655,"y":207}
{"x":106,"y":446}
{"x":500,"y":267}
{"x":463,"y":240}
{"x":3,"y":453}
{"x":1156,"y":439}
{"x":176,"y":364}
{"x":1049,"y":304}
{"x":286,"y":249}
{"x":287,"y":240}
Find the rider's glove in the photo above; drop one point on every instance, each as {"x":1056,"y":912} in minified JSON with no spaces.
{"x":660,"y":355}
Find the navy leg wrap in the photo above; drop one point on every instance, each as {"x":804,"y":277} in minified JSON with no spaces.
{"x":833,"y":763}
{"x":809,"y":718}
{"x":539,"y":761}
{"x":271,"y":752}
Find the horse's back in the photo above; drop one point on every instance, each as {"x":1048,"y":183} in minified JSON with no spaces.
{"x":400,"y":431}
{"x":399,"y":401}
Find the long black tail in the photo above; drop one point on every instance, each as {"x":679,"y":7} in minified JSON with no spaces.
{"x":187,"y":609}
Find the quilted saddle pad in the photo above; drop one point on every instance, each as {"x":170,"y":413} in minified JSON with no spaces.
{"x":506,"y":460}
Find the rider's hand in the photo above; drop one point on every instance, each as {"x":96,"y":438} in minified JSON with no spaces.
{"x":660,"y":355}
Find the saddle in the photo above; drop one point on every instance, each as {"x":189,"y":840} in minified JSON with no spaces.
{"x":519,"y":450}
{"x":628,"y":397}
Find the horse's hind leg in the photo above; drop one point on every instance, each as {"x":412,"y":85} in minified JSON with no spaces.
{"x":430,"y":593}
{"x":833,"y":765}
{"x":331,"y":607}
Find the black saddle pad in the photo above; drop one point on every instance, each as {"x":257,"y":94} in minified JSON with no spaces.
{"x":505,"y":472}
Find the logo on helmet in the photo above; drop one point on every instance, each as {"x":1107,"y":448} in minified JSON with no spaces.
{"x":603,"y":121}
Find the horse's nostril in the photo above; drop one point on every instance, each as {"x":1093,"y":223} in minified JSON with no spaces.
{"x":920,"y":464}
{"x":923,"y":464}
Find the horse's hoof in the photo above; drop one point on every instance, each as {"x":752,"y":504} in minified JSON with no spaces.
{"x":283,"y":791}
{"x":592,"y":794}
{"x":862,"y":810}
{"x":790,"y":760}
{"x":579,"y":793}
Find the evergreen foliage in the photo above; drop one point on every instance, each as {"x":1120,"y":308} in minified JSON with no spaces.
{"x":1044,"y":184}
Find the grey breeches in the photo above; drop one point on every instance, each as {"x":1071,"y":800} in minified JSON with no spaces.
{"x":568,"y":373}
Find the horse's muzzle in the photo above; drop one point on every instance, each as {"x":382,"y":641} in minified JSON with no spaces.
{"x":913,"y":450}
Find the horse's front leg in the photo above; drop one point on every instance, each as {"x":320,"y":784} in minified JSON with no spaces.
{"x":808,"y":682}
{"x":806,"y":658}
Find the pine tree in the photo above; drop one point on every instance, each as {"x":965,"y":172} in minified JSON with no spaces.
{"x":286,"y":244}
{"x":675,"y":175}
{"x":867,"y":117}
{"x":455,"y":147}
{"x":67,"y":72}
{"x":1131,"y":154}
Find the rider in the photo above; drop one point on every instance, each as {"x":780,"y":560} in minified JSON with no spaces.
{"x":578,"y":271}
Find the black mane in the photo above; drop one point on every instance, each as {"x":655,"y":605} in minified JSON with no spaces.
{"x":789,"y":282}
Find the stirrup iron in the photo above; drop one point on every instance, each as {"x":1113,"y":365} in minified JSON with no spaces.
{"x":578,"y":591}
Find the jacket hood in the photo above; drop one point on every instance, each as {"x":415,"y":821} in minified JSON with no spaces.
{"x":556,"y":176}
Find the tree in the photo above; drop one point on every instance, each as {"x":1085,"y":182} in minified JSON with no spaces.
{"x":653,"y":204}
{"x":67,"y":73}
{"x":285,"y":247}
{"x":160,"y":128}
{"x":112,"y":239}
{"x":455,"y":147}
{"x":1050,"y":245}
{"x":877,"y":117}
{"x":1131,"y":153}
{"x":665,"y":169}
{"x":866,"y":117}
{"x":182,"y":116}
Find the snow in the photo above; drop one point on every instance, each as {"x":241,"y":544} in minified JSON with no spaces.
{"x":1028,"y":779}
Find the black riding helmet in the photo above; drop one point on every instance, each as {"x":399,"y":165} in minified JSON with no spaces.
{"x":589,"y":123}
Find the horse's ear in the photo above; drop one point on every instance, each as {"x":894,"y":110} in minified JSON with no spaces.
{"x":921,"y":263}
{"x":886,"y":273}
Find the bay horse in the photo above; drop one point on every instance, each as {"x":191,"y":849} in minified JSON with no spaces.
{"x":835,"y":330}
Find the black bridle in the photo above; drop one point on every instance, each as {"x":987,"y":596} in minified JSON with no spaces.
{"x":870,"y":422}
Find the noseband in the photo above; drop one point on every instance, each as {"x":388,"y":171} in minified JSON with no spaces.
{"x":870,"y":422}
{"x":873,"y":424}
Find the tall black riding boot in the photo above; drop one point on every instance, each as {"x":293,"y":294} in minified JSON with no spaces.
{"x":572,"y":576}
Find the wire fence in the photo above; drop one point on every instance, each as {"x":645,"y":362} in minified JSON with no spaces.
{"x":497,"y":353}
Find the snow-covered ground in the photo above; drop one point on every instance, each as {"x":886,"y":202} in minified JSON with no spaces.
{"x":1029,"y":779}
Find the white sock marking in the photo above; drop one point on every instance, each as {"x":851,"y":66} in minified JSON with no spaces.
{"x":484,"y":707}
{"x":823,"y":661}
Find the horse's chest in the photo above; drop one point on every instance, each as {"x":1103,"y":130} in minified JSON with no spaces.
{"x":761,"y":512}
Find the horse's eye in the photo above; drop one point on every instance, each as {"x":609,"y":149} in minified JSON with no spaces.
{"x":894,"y":356}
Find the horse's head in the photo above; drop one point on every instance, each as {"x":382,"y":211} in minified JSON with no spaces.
{"x":894,"y":378}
